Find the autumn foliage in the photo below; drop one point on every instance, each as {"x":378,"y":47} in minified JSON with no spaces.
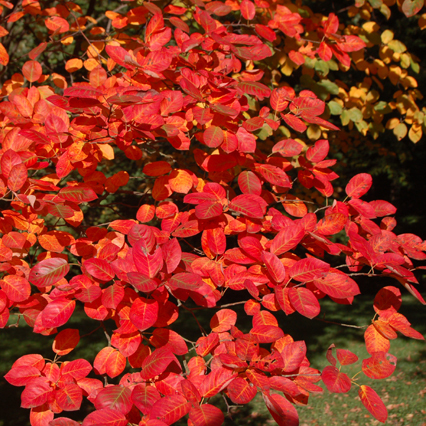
{"x":215,"y":119}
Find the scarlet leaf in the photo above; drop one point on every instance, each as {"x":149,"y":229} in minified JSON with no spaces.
{"x":109,"y":361}
{"x":346,"y":357}
{"x":16,"y":288}
{"x":32,"y":71}
{"x":99,"y":269}
{"x":65,"y":341}
{"x":157,"y":362}
{"x":21,"y":376}
{"x":373,"y":403}
{"x":69,"y":397}
{"x":249,"y":205}
{"x":308,"y":269}
{"x":206,"y":415}
{"x":48,"y":272}
{"x":213,"y":136}
{"x":240,"y":391}
{"x":379,"y":366}
{"x":335,"y":380}
{"x":288,"y":238}
{"x":185,"y":281}
{"x":106,"y":417}
{"x":36,"y":392}
{"x":17,"y":177}
{"x":304,"y":301}
{"x":114,"y":397}
{"x":170,"y":409}
{"x":223,"y":320}
{"x":147,"y":264}
{"x":249,"y":183}
{"x":359,"y":185}
{"x":78,"y":194}
{"x":144,"y":313}
{"x":57,"y":312}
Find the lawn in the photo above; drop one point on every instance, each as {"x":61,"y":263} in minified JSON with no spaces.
{"x":403,"y":393}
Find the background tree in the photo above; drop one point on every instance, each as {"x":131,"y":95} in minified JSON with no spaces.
{"x":171,"y":156}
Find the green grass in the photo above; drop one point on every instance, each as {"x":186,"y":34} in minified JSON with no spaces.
{"x":404,"y":393}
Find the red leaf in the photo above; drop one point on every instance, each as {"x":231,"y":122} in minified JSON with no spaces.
{"x":288,"y":148}
{"x":65,"y":341}
{"x":288,"y":238}
{"x":32,"y":71}
{"x":213,"y":136}
{"x":17,"y":288}
{"x":336,"y":381}
{"x":17,"y":177}
{"x":375,"y":341}
{"x":240,"y":391}
{"x":114,"y":397}
{"x":48,"y":271}
{"x":185,"y":281}
{"x":249,"y":205}
{"x":308,"y":269}
{"x":57,"y":312}
{"x":144,"y":397}
{"x":266,"y":333}
{"x":217,"y":380}
{"x":69,"y":397}
{"x":223,"y":320}
{"x":147,"y":264}
{"x":373,"y":403}
{"x":259,"y":90}
{"x":21,"y":376}
{"x":294,"y":122}
{"x":274,"y":266}
{"x":359,"y":185}
{"x":379,"y":366}
{"x":156,"y":363}
{"x":318,"y":152}
{"x":105,"y":417}
{"x":109,"y":361}
{"x":346,"y":357}
{"x":206,"y":414}
{"x":78,"y":194}
{"x":144,"y":313}
{"x":281,"y":97}
{"x":208,"y":210}
{"x":304,"y":301}
{"x":99,"y":269}
{"x":216,"y":240}
{"x":249,"y":183}
{"x":247,"y":9}
{"x":36,"y":392}
{"x":170,"y":409}
{"x":172,"y":254}
{"x":293,"y":355}
{"x":332,"y":224}
{"x":337,"y":285}
{"x":281,"y":410}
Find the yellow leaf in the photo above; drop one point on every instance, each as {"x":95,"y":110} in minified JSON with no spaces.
{"x":392,"y":123}
{"x":107,"y":151}
{"x":371,"y":27}
{"x":415,"y":133}
{"x":90,"y":64}
{"x":400,"y":131}
{"x":59,"y":81}
{"x":73,"y":65}
{"x":387,"y":36}
{"x":67,"y":41}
